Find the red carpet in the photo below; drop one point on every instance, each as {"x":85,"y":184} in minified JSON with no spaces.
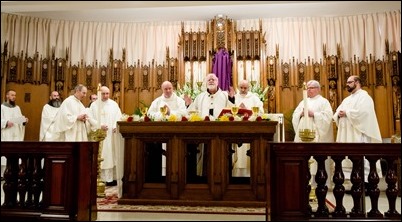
{"x":109,"y":203}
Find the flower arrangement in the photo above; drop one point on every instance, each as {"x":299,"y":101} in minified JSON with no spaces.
{"x":187,"y":89}
{"x":195,"y":117}
{"x":259,"y":91}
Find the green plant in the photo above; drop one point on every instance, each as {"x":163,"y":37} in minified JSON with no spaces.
{"x":137,"y":110}
{"x":187,"y":89}
{"x":259,"y":91}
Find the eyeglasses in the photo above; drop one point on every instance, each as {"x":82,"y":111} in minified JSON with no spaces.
{"x":312,"y":87}
{"x":349,"y":82}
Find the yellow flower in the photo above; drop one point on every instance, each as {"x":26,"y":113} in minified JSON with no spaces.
{"x":172,"y":118}
{"x":265,"y":116}
{"x":224,"y":118}
{"x":194,"y":118}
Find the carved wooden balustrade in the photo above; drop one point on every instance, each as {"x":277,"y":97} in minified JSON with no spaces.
{"x":50,"y":181}
{"x":288,"y":179}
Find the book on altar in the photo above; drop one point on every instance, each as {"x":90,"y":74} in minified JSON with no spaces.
{"x":241,"y":112}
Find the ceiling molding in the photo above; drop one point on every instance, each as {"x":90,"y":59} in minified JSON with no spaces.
{"x":142,"y":11}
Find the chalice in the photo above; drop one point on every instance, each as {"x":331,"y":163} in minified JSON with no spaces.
{"x":234,"y":110}
{"x":255,"y":110}
{"x":163,"y":110}
{"x":144,"y":111}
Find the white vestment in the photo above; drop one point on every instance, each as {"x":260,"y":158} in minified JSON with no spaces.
{"x":46,"y":131}
{"x":206,"y":101}
{"x":321,"y":123}
{"x":14,"y":133}
{"x":249,"y":100}
{"x":112,"y":165}
{"x":358,"y":126}
{"x":240,"y":160}
{"x":203,"y":103}
{"x":66,"y":122}
{"x":176,"y":105}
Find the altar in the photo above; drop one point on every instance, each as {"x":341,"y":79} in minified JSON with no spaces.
{"x":175,"y":187}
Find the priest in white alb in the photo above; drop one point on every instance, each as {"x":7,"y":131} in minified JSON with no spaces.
{"x":12,"y":122}
{"x":357,"y":123}
{"x":320,"y":115}
{"x":244,"y":99}
{"x":319,"y":119}
{"x":104,"y":114}
{"x":209,"y":103}
{"x":49,"y":111}
{"x":71,"y":120}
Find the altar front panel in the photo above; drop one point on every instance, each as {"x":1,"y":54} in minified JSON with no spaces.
{"x":216,"y":136}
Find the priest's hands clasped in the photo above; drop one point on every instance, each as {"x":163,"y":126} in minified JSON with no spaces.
{"x":82,"y":117}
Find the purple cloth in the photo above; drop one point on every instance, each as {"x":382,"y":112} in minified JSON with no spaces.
{"x":222,"y":67}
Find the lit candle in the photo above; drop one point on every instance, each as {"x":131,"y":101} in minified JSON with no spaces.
{"x":99,"y":105}
{"x":305,"y":102}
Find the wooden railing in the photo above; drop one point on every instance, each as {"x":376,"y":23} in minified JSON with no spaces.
{"x":50,"y":181}
{"x":57,"y":181}
{"x":288,"y":179}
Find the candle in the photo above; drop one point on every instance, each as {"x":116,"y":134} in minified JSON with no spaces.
{"x":99,"y":106}
{"x":305,"y":103}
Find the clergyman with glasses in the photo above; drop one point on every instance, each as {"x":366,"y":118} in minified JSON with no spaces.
{"x":357,"y":122}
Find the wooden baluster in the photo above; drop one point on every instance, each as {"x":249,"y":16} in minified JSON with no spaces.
{"x":372,"y":188}
{"x":357,"y":179}
{"x":339,"y":189}
{"x":391,"y":191}
{"x":321,"y":190}
{"x":10,"y":182}
{"x":22,"y":181}
{"x":37,"y":184}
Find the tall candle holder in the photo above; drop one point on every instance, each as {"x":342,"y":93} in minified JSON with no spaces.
{"x":98,"y":136}
{"x":307,"y":134}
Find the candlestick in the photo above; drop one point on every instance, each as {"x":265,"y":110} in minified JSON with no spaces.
{"x":305,"y":103}
{"x":99,"y":105}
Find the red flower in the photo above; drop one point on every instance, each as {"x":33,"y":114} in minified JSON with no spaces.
{"x":130,"y":119}
{"x":258,"y":118}
{"x":231,"y":118}
{"x":183,"y":118}
{"x":147,"y":119}
{"x":245,"y":118}
{"x":206,"y":118}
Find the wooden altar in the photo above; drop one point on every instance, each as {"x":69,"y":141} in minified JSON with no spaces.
{"x":217,"y":137}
